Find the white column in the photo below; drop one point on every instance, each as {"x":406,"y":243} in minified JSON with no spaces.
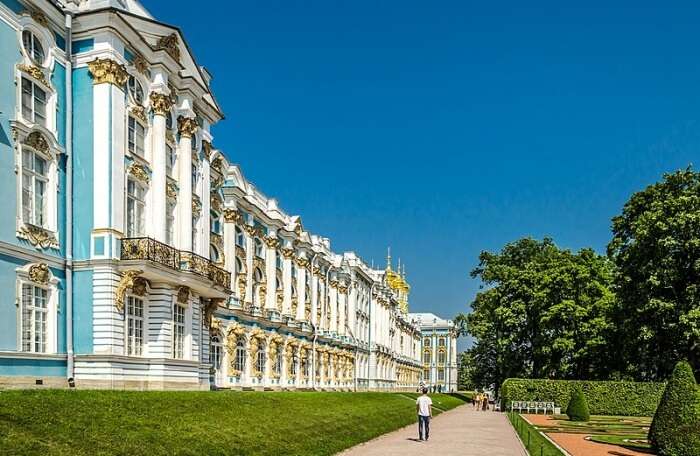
{"x":160,"y":105}
{"x":342,"y":302}
{"x":187,"y":127}
{"x":334,"y":308}
{"x":205,"y":231}
{"x":301,"y":288}
{"x":249,"y":254}
{"x":271,"y":273}
{"x":287,"y":283}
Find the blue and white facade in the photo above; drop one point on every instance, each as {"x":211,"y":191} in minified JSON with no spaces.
{"x":438,"y":351}
{"x":133,"y":254}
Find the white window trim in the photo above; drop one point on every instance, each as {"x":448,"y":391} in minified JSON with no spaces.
{"x":187,"y":339}
{"x":146,"y":306}
{"x":51,"y":101}
{"x":52,"y":319}
{"x":146,"y":193}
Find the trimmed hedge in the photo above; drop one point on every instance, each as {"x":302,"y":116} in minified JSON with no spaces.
{"x":604,"y":398}
{"x":674,"y":431}
{"x":577,"y":410}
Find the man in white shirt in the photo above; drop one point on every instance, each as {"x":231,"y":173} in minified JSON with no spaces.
{"x":424,"y":406}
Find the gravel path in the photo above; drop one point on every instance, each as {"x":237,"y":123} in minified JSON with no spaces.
{"x":461,"y":431}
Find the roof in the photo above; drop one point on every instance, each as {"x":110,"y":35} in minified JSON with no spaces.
{"x":430,"y":319}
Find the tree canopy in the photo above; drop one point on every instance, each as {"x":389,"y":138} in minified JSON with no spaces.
{"x":656,"y":248}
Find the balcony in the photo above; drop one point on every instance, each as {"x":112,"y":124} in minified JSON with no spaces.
{"x":147,"y":249}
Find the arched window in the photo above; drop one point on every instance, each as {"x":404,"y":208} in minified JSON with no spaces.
{"x":240,"y":355}
{"x":213,"y":253}
{"x":260,"y":359}
{"x":33,"y":47}
{"x":259,"y":251}
{"x":215,"y":352}
{"x":426,"y":357}
{"x":441,"y":357}
{"x":35,"y":185}
{"x":293,"y":367}
{"x":135,"y":209}
{"x":278,"y":362}
{"x":215,"y":222}
{"x":257,"y":275}
{"x":240,"y":238}
{"x":135,"y":90}
{"x":239,"y":265}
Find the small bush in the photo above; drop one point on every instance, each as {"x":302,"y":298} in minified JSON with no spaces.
{"x":577,"y":409}
{"x":603,"y":397}
{"x":673,"y":431}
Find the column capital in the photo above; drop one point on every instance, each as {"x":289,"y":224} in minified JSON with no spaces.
{"x":187,"y":126}
{"x":108,"y":71}
{"x":161,"y":104}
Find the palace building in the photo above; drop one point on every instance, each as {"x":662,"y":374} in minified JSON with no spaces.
{"x":438,"y":351}
{"x":135,"y":255}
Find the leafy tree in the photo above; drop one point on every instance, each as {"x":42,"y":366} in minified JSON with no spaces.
{"x":577,"y":410}
{"x":674,"y":429}
{"x":465,"y":380}
{"x":656,"y":247}
{"x":544,"y":313}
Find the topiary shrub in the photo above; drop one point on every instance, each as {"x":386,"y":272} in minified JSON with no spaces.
{"x":673,"y":430}
{"x":578,"y":407}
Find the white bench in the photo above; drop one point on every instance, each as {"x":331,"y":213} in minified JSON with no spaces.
{"x":532,"y":406}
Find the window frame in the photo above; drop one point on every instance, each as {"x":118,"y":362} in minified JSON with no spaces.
{"x":239,"y":361}
{"x":129,"y":139}
{"x":130,"y":320}
{"x":142,"y":202}
{"x":29,"y":53}
{"x":178,"y":331}
{"x":34,"y":176}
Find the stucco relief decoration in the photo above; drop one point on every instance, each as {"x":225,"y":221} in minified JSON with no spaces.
{"x":139,"y":172}
{"x":234,"y":332}
{"x":38,"y":237}
{"x":279,"y":299}
{"x":170,"y":44}
{"x":140,"y":63}
{"x":39,"y":17}
{"x":215,"y":202}
{"x":255,"y":338}
{"x":342,"y":289}
{"x":271,"y":242}
{"x":262,"y":292}
{"x":274,"y":346}
{"x":232,"y":216}
{"x":289,"y":350}
{"x":39,"y":273}
{"x":302,"y":263}
{"x":161,"y":104}
{"x":139,"y":112}
{"x":206,"y":149}
{"x":171,"y":189}
{"x":288,"y":254}
{"x":36,"y":141}
{"x":209,"y":310}
{"x":183,"y":295}
{"x":196,"y":207}
{"x":217,"y":164}
{"x":35,"y":72}
{"x":187,"y":126}
{"x":108,"y":71}
{"x":260,"y":264}
{"x":242,"y":284}
{"x":125,"y":283}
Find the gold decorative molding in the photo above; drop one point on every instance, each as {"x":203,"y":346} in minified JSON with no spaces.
{"x":183,"y":295}
{"x":271,"y":242}
{"x":232,"y":216}
{"x":206,"y":149}
{"x":196,"y":207}
{"x":36,"y":141}
{"x":302,"y":263}
{"x":35,"y":72}
{"x":217,"y":165}
{"x":139,"y":172}
{"x":187,"y":126}
{"x":209,"y":310}
{"x":242,"y":285}
{"x":342,"y":289}
{"x":279,"y":299}
{"x":39,"y":17}
{"x":140,"y":63}
{"x":39,"y":273}
{"x":161,"y":104}
{"x":215,"y":202}
{"x":288,"y":254}
{"x":262,"y":293}
{"x":38,"y":237}
{"x":139,"y":112}
{"x":169,"y":136}
{"x":171,"y":189}
{"x":170,"y":44}
{"x":250,"y":229}
{"x":126,"y":282}
{"x":334,"y":284}
{"x":107,"y":71}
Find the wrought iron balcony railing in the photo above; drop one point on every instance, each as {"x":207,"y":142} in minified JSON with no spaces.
{"x":148,"y":249}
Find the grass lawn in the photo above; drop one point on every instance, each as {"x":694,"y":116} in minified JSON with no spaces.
{"x":80,"y":422}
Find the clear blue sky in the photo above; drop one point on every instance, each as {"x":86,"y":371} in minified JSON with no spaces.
{"x":446,"y":128}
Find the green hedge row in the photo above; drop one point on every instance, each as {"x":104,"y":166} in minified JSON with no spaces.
{"x":604,"y":398}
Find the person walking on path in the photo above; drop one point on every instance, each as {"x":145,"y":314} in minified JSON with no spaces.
{"x":424,"y":406}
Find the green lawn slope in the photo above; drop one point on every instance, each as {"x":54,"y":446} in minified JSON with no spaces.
{"x":80,"y":422}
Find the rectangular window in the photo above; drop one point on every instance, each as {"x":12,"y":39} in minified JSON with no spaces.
{"x":136,"y":137}
{"x":135,"y":209}
{"x":441,"y":375}
{"x":178,"y":331}
{"x":426,"y":375}
{"x":34,"y":184}
{"x":195,"y":178}
{"x":33,"y":102}
{"x":134,"y":326}
{"x":195,"y":221}
{"x":35,"y":311}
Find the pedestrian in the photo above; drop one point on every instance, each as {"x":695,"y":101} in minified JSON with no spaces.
{"x":485,"y":404}
{"x":424,"y":407}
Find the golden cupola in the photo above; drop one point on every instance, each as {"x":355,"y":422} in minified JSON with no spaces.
{"x":397,"y":282}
